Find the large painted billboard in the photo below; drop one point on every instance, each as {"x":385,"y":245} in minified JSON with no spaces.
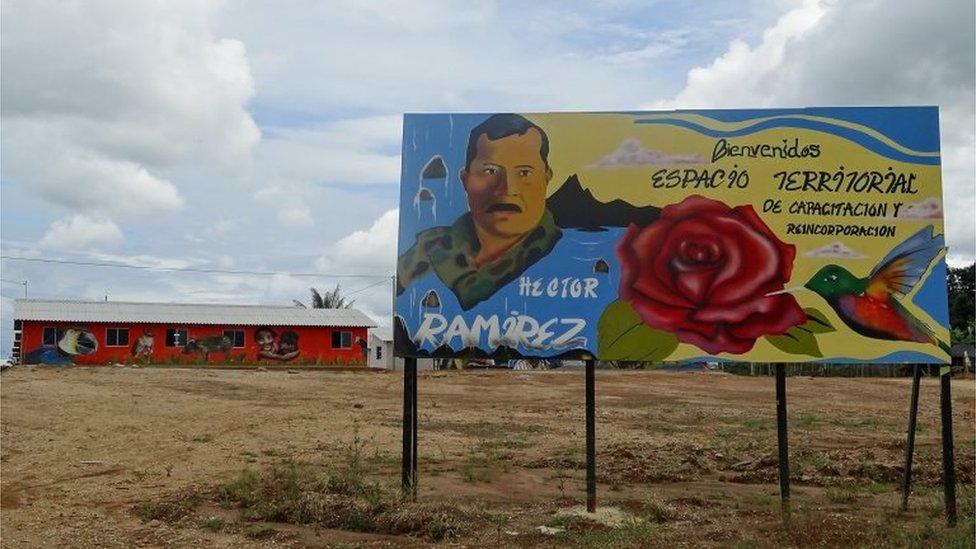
{"x":784,"y":235}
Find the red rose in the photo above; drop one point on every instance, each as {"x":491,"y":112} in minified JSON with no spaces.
{"x":702,"y":271}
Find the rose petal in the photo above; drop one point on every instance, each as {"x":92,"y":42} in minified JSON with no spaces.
{"x":648,"y":249}
{"x":787,"y":251}
{"x":694,"y":206}
{"x":721,"y":342}
{"x":752,"y":262}
{"x":668,"y":249}
{"x":783,"y":314}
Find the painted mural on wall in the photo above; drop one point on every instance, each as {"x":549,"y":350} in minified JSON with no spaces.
{"x":765,"y":235}
{"x":143,"y":347}
{"x":273,"y":346}
{"x":203,"y":346}
{"x":70,"y":342}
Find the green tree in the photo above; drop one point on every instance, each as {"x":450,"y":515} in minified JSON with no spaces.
{"x":329,"y":299}
{"x":962,"y":301}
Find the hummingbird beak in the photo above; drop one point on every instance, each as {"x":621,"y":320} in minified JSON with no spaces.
{"x":787,"y":290}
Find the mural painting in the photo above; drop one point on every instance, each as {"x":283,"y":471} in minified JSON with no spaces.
{"x":275,"y":347}
{"x":206,"y":345}
{"x":765,"y":235}
{"x":70,"y":342}
{"x":143,"y":347}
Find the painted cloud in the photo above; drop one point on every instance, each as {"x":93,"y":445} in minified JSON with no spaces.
{"x":632,"y":153}
{"x":835,"y":249}
{"x":930,"y":208}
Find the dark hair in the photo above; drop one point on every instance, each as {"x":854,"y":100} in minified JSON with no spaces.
{"x":289,"y":337}
{"x":498,"y":126}
{"x":264,"y":329}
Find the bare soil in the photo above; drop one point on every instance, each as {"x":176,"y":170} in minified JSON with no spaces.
{"x":89,"y":454}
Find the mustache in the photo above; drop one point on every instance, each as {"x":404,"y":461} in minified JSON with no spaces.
{"x":503,"y":207}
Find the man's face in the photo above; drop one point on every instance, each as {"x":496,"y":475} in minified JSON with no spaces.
{"x":506,"y":184}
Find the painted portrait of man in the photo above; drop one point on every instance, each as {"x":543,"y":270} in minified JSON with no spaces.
{"x":507,"y":227}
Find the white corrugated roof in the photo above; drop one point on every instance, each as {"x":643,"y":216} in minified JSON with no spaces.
{"x":384,"y":334}
{"x":186,"y":313}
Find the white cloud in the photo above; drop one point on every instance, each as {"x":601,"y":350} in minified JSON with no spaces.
{"x":372,"y":250}
{"x":632,"y":152}
{"x":836,"y":250}
{"x":100,"y":100}
{"x":296,"y":217}
{"x":872,"y":52}
{"x":363,"y":150}
{"x":80,"y":231}
{"x":289,"y":204}
{"x":930,"y":208}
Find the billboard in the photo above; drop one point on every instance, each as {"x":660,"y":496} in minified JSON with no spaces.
{"x":785,"y":235}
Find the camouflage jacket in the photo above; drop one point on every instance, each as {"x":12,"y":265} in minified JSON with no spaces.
{"x":450,"y":252}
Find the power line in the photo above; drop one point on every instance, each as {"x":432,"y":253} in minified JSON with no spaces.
{"x":373,"y":285}
{"x":188,"y":269}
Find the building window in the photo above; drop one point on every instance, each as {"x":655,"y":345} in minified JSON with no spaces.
{"x":117,"y":337}
{"x":18,"y":324}
{"x":236,"y":337}
{"x":175,"y":337}
{"x":50,"y":336}
{"x":379,"y":352}
{"x":341,"y":340}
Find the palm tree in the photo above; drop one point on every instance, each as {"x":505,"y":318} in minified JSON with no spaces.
{"x":329,"y":299}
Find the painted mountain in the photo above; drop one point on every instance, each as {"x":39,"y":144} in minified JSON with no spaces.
{"x":574,"y":207}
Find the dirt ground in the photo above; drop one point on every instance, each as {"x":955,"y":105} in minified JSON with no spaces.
{"x":88,"y":453}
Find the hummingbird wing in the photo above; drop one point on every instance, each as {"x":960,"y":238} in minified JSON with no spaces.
{"x":905,"y":265}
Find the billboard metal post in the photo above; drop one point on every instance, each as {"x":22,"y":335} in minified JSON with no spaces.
{"x":906,"y":484}
{"x":781,"y":436}
{"x":948,"y":462}
{"x":409,"y":456}
{"x":590,"y":436}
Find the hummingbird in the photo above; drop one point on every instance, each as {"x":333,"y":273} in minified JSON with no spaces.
{"x":870,"y":305}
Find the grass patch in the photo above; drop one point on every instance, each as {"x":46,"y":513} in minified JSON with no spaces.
{"x":170,"y":510}
{"x":757,"y":425}
{"x":211,"y":524}
{"x":486,"y":458}
{"x":205,"y":437}
{"x":837,"y":494}
{"x":292,"y":492}
{"x":632,"y":534}
{"x":806,"y":419}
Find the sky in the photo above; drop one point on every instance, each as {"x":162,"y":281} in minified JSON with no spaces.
{"x":265,"y":136}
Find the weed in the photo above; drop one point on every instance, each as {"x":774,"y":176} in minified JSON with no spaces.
{"x":877,"y":488}
{"x":632,"y":534}
{"x":211,"y":524}
{"x":484,"y":459}
{"x":655,"y":512}
{"x":757,"y":425}
{"x":840,"y":495}
{"x":169,"y":510}
{"x":205,"y":437}
{"x":294,"y":492}
{"x":806,"y":419}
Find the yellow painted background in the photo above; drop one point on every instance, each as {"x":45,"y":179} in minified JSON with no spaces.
{"x":578,"y":140}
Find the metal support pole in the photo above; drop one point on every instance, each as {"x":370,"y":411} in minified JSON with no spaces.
{"x":416,"y":422}
{"x":590,"y":436}
{"x":781,"y":435}
{"x":408,"y":470}
{"x":948,"y":463}
{"x":906,"y":481}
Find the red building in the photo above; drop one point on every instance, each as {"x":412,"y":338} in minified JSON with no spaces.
{"x":106,"y":332}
